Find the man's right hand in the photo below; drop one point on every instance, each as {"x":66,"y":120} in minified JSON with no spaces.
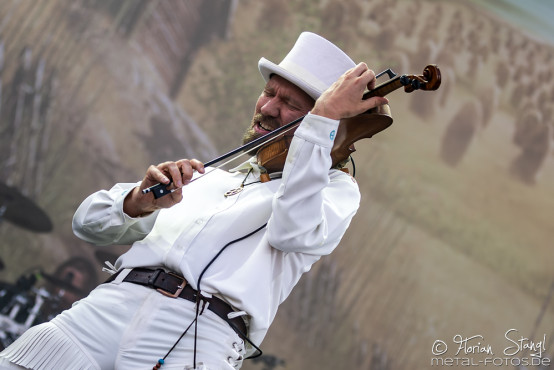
{"x":179,"y":173}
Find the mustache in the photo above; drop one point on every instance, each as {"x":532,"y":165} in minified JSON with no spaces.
{"x":266,"y":121}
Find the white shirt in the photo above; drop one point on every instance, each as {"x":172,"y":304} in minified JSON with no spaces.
{"x":307,"y":210}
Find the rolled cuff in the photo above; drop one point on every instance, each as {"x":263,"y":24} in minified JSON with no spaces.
{"x":318,"y":130}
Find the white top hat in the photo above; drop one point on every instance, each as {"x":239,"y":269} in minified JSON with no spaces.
{"x":313,"y":64}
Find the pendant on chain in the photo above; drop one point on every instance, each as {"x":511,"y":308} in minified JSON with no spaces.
{"x":235,"y":191}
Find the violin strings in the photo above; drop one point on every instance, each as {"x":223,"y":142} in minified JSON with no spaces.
{"x":244,"y":153}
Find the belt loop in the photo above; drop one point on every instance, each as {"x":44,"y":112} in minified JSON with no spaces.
{"x":154,"y":277}
{"x":121,"y":274}
{"x":118,"y":277}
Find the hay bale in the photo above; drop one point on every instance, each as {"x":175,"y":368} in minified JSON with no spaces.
{"x":460,"y":132}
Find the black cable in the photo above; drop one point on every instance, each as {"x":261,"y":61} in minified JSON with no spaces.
{"x":353,"y":166}
{"x":200,"y":292}
{"x":178,"y":340}
{"x":198,"y":299}
{"x":221,"y":251}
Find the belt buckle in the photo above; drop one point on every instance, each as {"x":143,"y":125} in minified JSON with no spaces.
{"x":180,"y":287}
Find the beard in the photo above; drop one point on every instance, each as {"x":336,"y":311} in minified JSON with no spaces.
{"x":251,"y":134}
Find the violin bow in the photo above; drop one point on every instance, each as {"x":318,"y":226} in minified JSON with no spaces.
{"x":159,"y":190}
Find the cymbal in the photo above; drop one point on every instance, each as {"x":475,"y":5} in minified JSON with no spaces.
{"x":22,"y":211}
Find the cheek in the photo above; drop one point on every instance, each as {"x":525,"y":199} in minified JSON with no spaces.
{"x":290,"y":115}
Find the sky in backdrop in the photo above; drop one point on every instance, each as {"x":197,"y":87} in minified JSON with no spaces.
{"x":534,"y":16}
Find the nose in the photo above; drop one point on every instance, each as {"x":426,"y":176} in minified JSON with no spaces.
{"x":271,"y":108}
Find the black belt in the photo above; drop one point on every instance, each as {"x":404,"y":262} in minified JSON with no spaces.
{"x":173,"y":285}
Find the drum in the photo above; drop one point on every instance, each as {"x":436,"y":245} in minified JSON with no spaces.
{"x":22,"y":306}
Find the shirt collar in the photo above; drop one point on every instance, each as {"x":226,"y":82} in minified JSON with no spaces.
{"x":252,"y":164}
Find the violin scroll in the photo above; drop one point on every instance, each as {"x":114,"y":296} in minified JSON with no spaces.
{"x":430,"y":80}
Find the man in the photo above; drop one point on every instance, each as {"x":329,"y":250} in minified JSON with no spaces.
{"x":244,"y":250}
{"x":71,"y":281}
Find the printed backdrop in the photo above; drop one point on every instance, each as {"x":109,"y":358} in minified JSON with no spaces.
{"x":449,"y":259}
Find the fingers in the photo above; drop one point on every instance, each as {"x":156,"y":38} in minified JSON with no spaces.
{"x":368,"y":77}
{"x":156,"y":175}
{"x":374,"y":102}
{"x":363,"y":71}
{"x":344,"y":98}
{"x":179,"y":172}
{"x":197,"y":165}
{"x":372,"y":79}
{"x":177,"y":195}
{"x":174,"y":172}
{"x":359,"y":69}
{"x":363,"y":77}
{"x":186,"y":168}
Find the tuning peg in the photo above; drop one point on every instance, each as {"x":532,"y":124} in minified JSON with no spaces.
{"x":405,"y":80}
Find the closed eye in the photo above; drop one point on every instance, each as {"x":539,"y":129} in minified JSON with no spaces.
{"x":269,"y":93}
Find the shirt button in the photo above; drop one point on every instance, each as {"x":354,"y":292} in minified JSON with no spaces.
{"x":199,"y":221}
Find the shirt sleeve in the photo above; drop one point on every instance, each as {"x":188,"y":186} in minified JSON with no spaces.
{"x":314,"y":205}
{"x":100,"y":219}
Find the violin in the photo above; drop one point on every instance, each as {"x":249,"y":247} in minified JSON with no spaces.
{"x":272,"y":148}
{"x":272,"y":155}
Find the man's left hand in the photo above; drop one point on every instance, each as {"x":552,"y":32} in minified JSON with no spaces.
{"x":343,"y":99}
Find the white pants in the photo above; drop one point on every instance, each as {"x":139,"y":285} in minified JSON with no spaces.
{"x":6,"y":365}
{"x":128,"y":326}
